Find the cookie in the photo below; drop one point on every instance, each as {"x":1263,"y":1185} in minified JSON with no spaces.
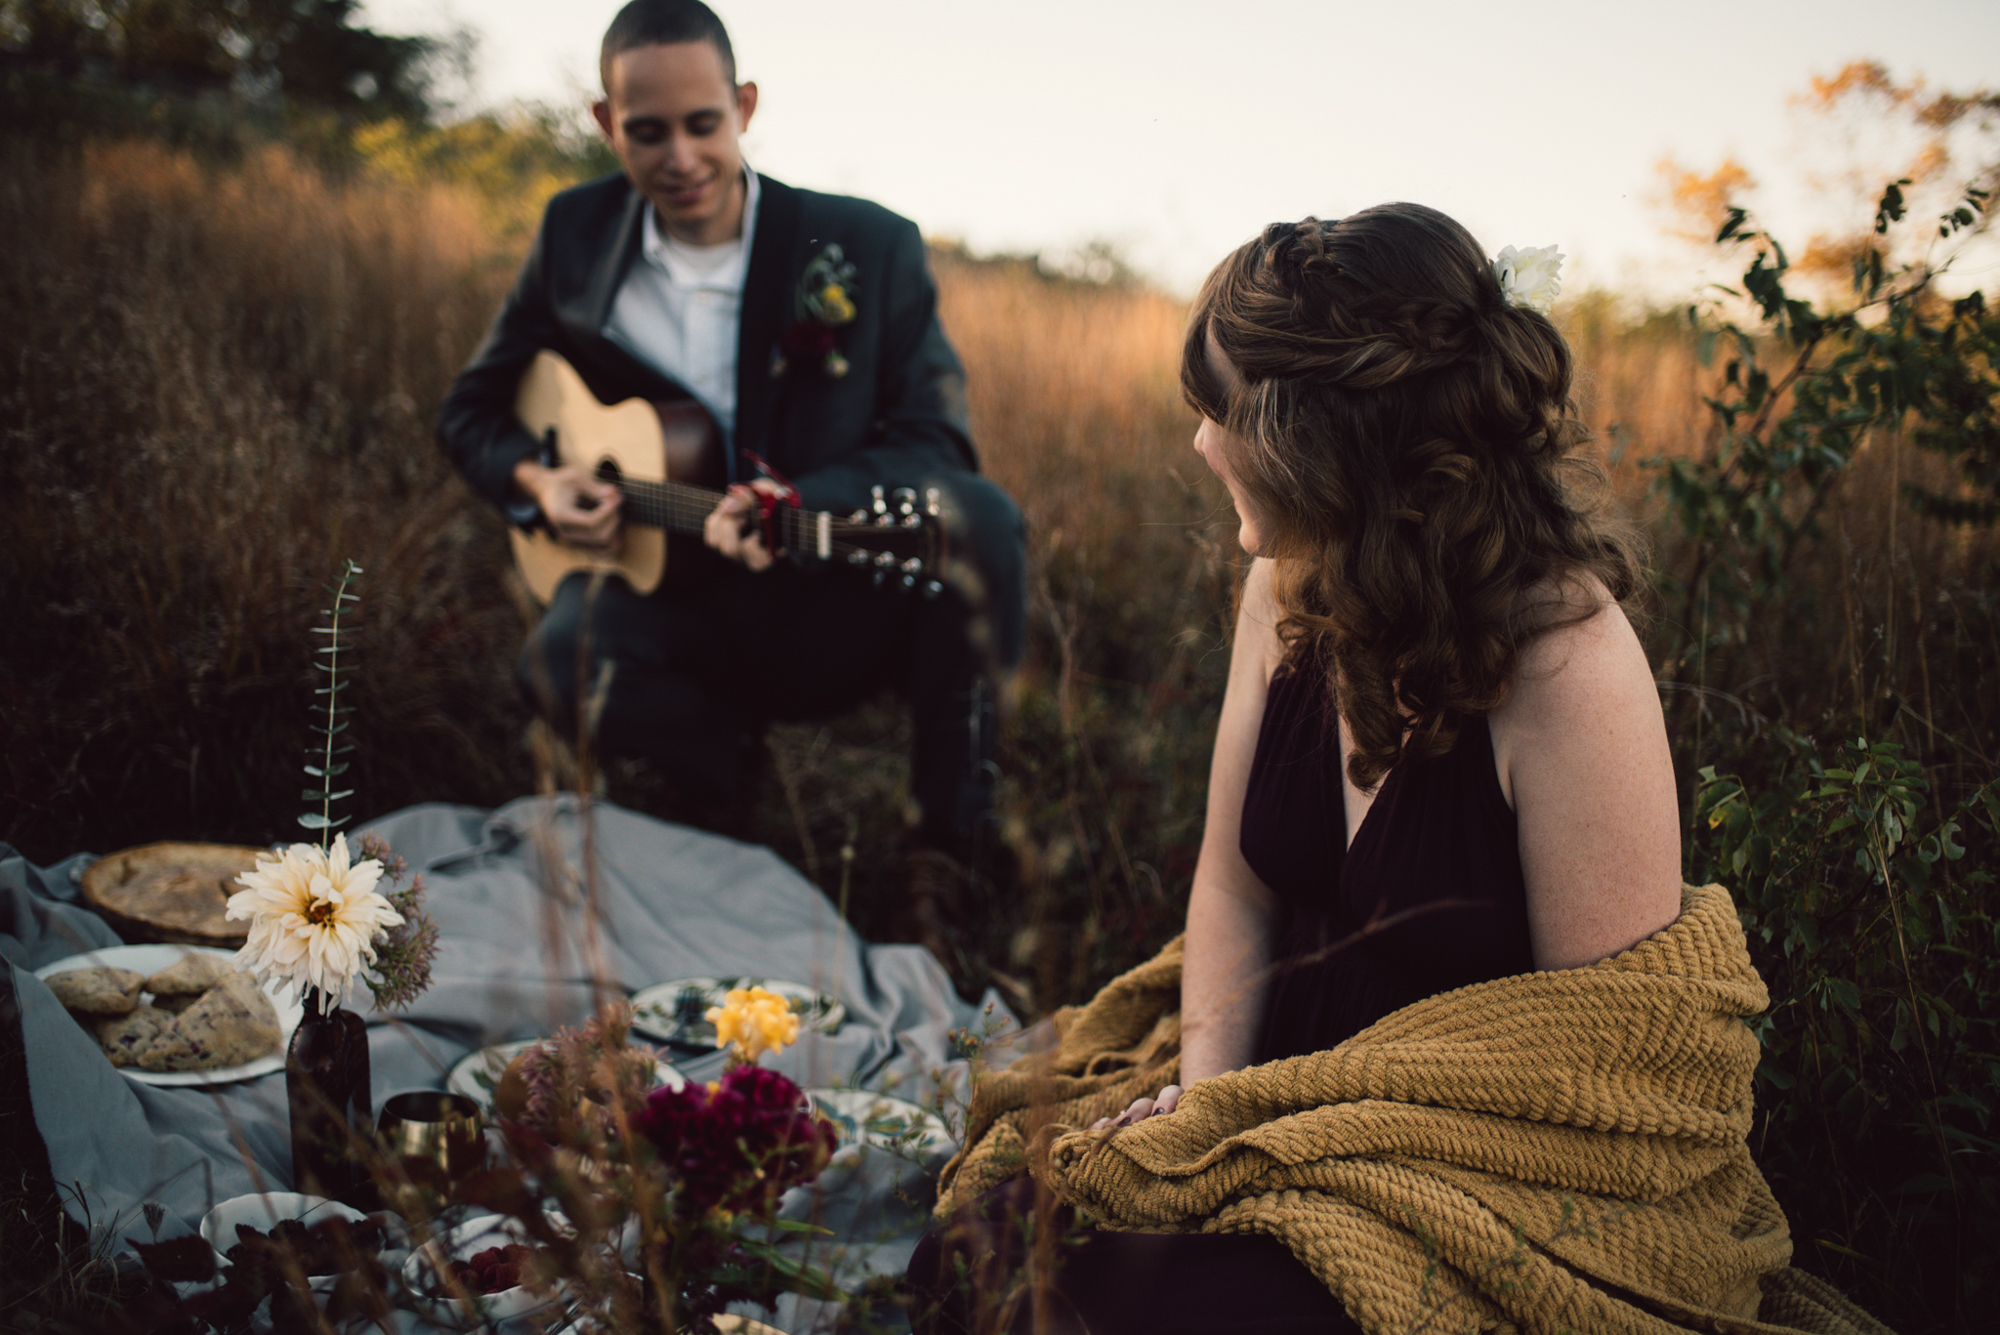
{"x":99,"y":991}
{"x":125,"y":1036}
{"x":234,"y":1022}
{"x":189,"y":976}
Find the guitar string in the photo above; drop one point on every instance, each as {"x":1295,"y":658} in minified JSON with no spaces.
{"x":686,"y":512}
{"x":687,"y":507}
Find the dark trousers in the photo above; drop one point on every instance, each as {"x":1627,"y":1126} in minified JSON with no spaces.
{"x":970,"y":1279}
{"x":696,"y":668}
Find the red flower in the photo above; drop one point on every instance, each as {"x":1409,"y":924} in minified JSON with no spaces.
{"x":740,"y":1147}
{"x":806,"y":343}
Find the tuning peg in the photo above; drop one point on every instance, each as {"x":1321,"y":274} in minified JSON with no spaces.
{"x":933,"y":503}
{"x":881,"y":506}
{"x":906,"y":500}
{"x":858,"y":517}
{"x":933,"y":588}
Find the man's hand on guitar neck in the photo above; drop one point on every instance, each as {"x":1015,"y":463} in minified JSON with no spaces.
{"x":582,"y":510}
{"x":732,"y":527}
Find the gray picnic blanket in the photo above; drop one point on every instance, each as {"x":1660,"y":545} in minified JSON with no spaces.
{"x":527,"y":922}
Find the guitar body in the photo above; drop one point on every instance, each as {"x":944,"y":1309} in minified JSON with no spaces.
{"x":630,"y":441}
{"x":666,"y":461}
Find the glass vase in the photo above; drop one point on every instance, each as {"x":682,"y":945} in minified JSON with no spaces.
{"x":328,"y":1090}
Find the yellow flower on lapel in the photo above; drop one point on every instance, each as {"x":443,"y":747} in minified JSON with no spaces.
{"x":835,"y":307}
{"x":822,"y":304}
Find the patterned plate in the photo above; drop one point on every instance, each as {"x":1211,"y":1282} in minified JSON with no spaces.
{"x":672,"y":1012}
{"x":863,"y":1117}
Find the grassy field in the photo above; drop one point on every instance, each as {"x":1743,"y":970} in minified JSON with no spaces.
{"x":219,"y":384}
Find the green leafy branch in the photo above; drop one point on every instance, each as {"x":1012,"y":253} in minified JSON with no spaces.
{"x":330,"y":749}
{"x":1871,"y":923}
{"x":1803,"y":389}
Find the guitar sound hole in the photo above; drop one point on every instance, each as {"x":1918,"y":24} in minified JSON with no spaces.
{"x":607,"y":471}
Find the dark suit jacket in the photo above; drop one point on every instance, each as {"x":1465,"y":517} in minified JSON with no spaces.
{"x":896,"y":418}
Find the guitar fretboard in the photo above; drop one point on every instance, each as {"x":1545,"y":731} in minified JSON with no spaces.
{"x":679,"y":507}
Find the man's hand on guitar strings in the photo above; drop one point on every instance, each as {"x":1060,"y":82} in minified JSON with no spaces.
{"x":582,"y":509}
{"x":732,"y":529}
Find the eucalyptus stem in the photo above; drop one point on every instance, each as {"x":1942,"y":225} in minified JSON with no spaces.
{"x":328,"y":751}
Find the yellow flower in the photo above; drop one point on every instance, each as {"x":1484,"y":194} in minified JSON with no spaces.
{"x":313,"y":917}
{"x":756,"y":1020}
{"x":835,"y":308}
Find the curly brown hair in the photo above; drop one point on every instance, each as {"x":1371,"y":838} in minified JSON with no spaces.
{"x":1409,"y":444}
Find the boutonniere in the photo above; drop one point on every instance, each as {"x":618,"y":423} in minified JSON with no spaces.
{"x":820,"y":307}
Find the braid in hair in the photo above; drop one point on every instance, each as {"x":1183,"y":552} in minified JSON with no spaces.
{"x":1410,"y":439}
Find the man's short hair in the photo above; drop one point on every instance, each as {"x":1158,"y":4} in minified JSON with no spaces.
{"x":664,"y":23}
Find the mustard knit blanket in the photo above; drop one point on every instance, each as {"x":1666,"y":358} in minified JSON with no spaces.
{"x":1553,"y":1151}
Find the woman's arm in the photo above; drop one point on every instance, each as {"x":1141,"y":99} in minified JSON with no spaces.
{"x":1581,"y":749}
{"x":1232,"y":915}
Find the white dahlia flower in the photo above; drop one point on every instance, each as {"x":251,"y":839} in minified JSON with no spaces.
{"x":313,"y":918}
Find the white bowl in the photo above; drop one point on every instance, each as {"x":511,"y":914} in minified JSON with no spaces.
{"x":218,"y":1226}
{"x":421,"y":1274}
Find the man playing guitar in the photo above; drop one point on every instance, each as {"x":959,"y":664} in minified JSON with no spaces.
{"x":806,"y":325}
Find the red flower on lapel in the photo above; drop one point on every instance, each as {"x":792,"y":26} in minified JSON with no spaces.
{"x":822,"y":304}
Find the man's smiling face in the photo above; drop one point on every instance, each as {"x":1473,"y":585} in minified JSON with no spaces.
{"x":676,"y":125}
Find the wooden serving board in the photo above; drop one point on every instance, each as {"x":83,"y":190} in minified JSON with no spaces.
{"x":170,"y":892}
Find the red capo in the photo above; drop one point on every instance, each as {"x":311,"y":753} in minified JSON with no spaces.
{"x":768,"y":503}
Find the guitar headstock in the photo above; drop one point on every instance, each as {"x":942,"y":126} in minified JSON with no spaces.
{"x":900,"y":541}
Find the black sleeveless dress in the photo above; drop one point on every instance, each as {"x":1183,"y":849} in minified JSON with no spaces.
{"x":1428,"y":898}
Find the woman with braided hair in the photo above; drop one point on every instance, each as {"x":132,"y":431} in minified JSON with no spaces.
{"x":1441,"y":743}
{"x":1441,"y":758}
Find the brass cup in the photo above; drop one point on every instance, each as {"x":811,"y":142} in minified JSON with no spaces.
{"x":432,"y":1139}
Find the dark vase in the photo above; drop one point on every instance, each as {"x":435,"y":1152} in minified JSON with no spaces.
{"x":327,"y":1086}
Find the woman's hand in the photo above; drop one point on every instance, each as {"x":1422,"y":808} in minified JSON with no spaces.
{"x":1169,"y":1098}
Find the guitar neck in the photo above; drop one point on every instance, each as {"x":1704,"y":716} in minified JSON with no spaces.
{"x":679,"y":507}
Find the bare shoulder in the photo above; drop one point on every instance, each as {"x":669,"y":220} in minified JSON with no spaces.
{"x":1580,"y":749}
{"x":1579,"y":671}
{"x":1257,"y":620}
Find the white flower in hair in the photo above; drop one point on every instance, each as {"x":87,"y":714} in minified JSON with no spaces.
{"x":1528,"y":277}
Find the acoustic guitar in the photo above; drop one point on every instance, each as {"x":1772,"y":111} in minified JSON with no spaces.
{"x":664,"y":459}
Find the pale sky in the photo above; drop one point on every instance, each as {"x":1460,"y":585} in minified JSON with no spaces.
{"x":1176,"y":129}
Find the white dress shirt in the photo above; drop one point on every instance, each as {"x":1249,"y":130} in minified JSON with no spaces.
{"x":680,"y":307}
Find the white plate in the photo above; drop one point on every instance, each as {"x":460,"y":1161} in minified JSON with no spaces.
{"x":462,"y":1243}
{"x":672,"y":1011}
{"x":218,"y":1226}
{"x":863,"y":1117}
{"x":478,"y":1072}
{"x":150,"y":960}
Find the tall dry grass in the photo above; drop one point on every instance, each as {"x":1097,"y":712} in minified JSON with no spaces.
{"x":1888,"y":624}
{"x":220,"y":383}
